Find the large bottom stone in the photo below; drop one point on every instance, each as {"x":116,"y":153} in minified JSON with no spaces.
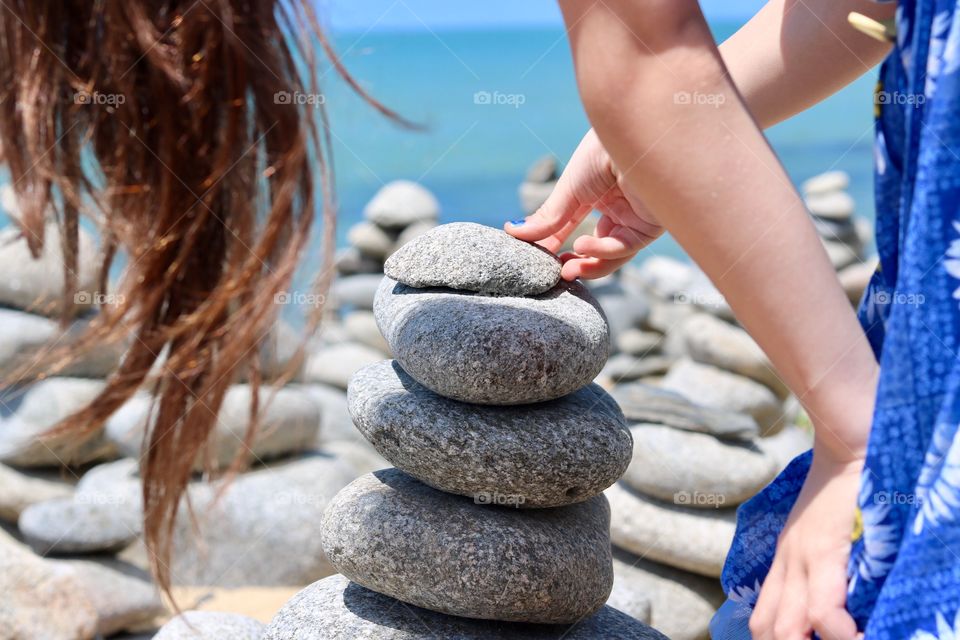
{"x":397,"y":536}
{"x":542,"y":455}
{"x":336,"y":608}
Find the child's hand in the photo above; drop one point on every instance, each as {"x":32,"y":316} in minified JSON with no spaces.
{"x":806,"y":588}
{"x":590,"y":182}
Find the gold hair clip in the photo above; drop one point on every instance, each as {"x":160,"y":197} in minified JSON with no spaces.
{"x":885,"y":31}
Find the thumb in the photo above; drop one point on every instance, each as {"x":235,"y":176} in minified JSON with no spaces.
{"x":561,"y":212}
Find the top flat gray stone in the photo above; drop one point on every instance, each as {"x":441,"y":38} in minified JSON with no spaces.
{"x":473,"y":257}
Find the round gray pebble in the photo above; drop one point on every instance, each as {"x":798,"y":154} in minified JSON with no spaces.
{"x":335,"y":608}
{"x":544,"y":455}
{"x":395,"y":535}
{"x":473,"y":257}
{"x":495,"y":350}
{"x":211,"y":625}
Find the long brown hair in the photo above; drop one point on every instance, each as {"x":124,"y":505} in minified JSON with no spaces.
{"x":189,"y":131}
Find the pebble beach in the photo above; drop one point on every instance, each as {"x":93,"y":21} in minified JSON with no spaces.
{"x":508,"y":455}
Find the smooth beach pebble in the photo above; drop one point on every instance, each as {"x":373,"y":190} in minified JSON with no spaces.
{"x":681,"y":603}
{"x":495,"y":350}
{"x":712,"y":341}
{"x":40,"y":598}
{"x":401,"y":203}
{"x":77,"y":525}
{"x":123,"y":595}
{"x":473,"y":257}
{"x":646,"y":403}
{"x":721,"y":389}
{"x":336,"y":608}
{"x":826,"y":183}
{"x":288,"y":423}
{"x":834,"y":206}
{"x":211,"y":625}
{"x":673,"y":533}
{"x":19,"y":490}
{"x":37,"y":284}
{"x":397,"y":536}
{"x":371,"y":240}
{"x":667,"y":461}
{"x":23,"y":439}
{"x":550,"y":454}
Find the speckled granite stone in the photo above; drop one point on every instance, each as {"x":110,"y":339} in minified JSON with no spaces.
{"x":645,"y":403}
{"x":544,"y":455}
{"x":335,"y":608}
{"x":672,"y":533}
{"x":473,"y":257}
{"x":397,"y":536}
{"x":495,"y":350}
{"x":667,"y":462}
{"x":211,"y":625}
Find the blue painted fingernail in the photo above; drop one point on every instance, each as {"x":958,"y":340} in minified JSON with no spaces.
{"x":517,"y":222}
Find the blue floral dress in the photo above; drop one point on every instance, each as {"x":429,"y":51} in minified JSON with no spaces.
{"x":904,"y":570}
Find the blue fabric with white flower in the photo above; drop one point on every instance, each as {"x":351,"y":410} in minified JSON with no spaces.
{"x":904,"y":570}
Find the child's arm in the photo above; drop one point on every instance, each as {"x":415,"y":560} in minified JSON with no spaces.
{"x":661,"y":102}
{"x":795,"y":53}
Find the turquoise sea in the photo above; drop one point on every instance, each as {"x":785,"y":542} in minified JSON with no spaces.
{"x":473,"y":156}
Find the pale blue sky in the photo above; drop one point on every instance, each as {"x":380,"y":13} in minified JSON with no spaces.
{"x":353,"y":15}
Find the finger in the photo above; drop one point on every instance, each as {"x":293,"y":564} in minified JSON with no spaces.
{"x":560,"y":208}
{"x":765,"y":612}
{"x":557,"y":240}
{"x":828,"y":597}
{"x":792,"y":621}
{"x":589,"y":268}
{"x":618,"y":242}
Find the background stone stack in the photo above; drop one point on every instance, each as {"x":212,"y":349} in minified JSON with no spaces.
{"x":493,"y":515}
{"x":846,"y":238}
{"x":399,"y":212}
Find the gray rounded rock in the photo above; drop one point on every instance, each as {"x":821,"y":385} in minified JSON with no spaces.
{"x":210,"y":625}
{"x":681,"y":603}
{"x":401,"y":203}
{"x":675,"y":534}
{"x":474,"y":257}
{"x":667,"y":462}
{"x":646,"y":403}
{"x":335,"y":608}
{"x":489,"y":350}
{"x":395,"y":535}
{"x":546,"y":455}
{"x":719,"y":389}
{"x":77,"y":525}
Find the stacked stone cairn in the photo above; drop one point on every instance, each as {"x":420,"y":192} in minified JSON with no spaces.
{"x":492,"y":523}
{"x":845,"y":237}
